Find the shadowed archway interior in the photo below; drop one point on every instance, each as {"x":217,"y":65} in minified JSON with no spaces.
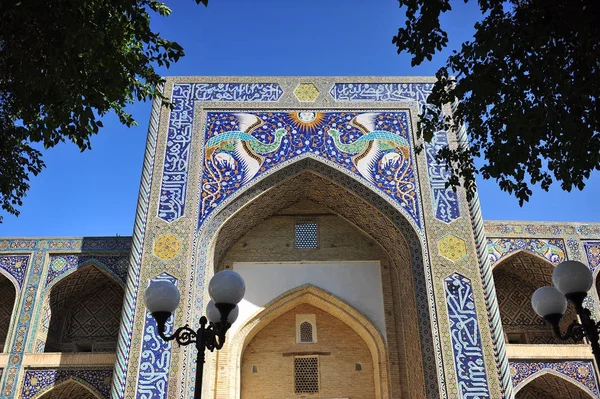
{"x":69,"y":390}
{"x":83,"y":312}
{"x":516,"y":279}
{"x":408,"y":354}
{"x":550,"y":386}
{"x":7,"y":302}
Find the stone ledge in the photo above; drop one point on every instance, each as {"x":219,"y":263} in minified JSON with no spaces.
{"x":68,"y":359}
{"x":548,"y":352}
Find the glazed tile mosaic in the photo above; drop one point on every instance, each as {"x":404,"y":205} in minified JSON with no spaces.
{"x":63,"y":264}
{"x":552,"y":250}
{"x":578,"y":372}
{"x":375,"y":146}
{"x":464,"y":328}
{"x":16,"y":266}
{"x":37,"y":381}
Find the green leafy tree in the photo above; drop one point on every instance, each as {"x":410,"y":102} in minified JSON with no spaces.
{"x":527,"y":87}
{"x":65,"y":64}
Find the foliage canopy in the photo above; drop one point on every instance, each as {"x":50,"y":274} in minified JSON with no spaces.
{"x":65,"y":64}
{"x":527,"y":87}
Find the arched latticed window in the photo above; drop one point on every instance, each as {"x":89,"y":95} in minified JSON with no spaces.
{"x":516,"y":279}
{"x":85,"y":312}
{"x":7,"y":302}
{"x":306,"y":329}
{"x":306,"y":332}
{"x":550,"y":386}
{"x":70,"y":389}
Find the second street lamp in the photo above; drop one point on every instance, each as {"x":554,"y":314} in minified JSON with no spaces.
{"x":226,"y":288}
{"x":572,"y":280}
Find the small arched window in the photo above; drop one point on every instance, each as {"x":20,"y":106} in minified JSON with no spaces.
{"x":306,"y":331}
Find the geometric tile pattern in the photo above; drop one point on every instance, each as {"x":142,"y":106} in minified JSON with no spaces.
{"x":551,"y":249}
{"x":16,"y":266}
{"x":306,"y":92}
{"x":373,"y":146}
{"x":580,"y":373}
{"x":7,"y":302}
{"x":445,"y":200}
{"x":167,"y":246}
{"x":514,"y":299}
{"x":452,"y":247}
{"x":179,"y":136}
{"x":82,"y":308}
{"x":466,"y":338}
{"x":61,"y":264}
{"x":39,"y":380}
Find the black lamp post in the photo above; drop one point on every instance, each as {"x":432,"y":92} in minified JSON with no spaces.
{"x":226,"y":288}
{"x":572,"y":280}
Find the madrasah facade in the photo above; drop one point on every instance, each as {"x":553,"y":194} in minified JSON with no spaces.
{"x":366,"y":277}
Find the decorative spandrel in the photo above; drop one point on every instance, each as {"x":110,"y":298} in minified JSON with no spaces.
{"x":375,"y":146}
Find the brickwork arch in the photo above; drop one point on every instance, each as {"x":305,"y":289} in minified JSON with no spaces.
{"x":546,"y":383}
{"x":309,"y":294}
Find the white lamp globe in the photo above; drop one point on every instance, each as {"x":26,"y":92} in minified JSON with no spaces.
{"x":214,"y":315}
{"x":572,"y":277}
{"x":227,"y":286}
{"x":162,"y":296}
{"x":548,"y":300}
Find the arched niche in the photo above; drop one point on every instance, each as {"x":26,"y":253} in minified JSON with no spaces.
{"x":516,"y":278}
{"x":69,"y":389}
{"x":362,"y":344}
{"x":412,"y":352}
{"x":8,"y":294}
{"x":82,"y":313}
{"x":548,"y":385}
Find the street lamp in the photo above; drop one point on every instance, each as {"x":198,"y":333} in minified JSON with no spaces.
{"x":572,"y":280}
{"x":226,"y":288}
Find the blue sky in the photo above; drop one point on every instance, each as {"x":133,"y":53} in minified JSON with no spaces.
{"x":95,"y":192}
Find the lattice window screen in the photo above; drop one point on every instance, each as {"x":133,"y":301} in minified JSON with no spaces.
{"x":306,"y":332}
{"x":306,"y":235}
{"x":306,"y":374}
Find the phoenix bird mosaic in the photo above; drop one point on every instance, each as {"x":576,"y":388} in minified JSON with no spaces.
{"x":239,"y":146}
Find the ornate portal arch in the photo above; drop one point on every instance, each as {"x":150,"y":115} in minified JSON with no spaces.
{"x":562,"y":377}
{"x":361,"y":206}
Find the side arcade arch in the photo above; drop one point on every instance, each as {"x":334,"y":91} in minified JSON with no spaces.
{"x":8,"y":303}
{"x":314,"y":296}
{"x":81,"y":312}
{"x":361,"y":206}
{"x":516,"y":278}
{"x":548,"y":384}
{"x":70,"y":388}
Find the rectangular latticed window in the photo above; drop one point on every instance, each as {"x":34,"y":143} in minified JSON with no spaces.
{"x":306,"y":374}
{"x":306,"y":235}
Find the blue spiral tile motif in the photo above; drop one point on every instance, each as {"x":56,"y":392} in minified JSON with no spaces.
{"x":581,"y":373}
{"x":179,"y":136}
{"x":375,"y":146}
{"x":445,"y":200}
{"x":466,"y":338}
{"x":155,"y":359}
{"x":61,"y":265}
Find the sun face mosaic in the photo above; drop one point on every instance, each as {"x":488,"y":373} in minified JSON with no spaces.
{"x":241,"y":146}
